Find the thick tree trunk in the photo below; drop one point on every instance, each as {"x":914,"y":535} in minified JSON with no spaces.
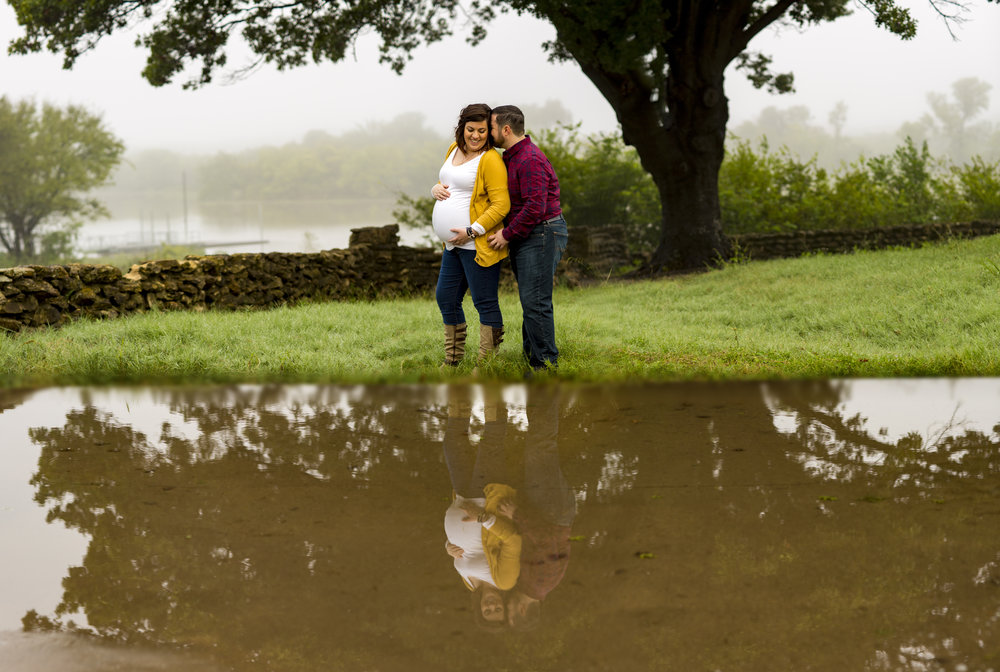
{"x":686,"y":173}
{"x":678,"y":125}
{"x":20,"y":241}
{"x":681,"y":145}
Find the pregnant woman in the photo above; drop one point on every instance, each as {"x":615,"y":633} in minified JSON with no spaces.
{"x":480,"y":536}
{"x":471,"y":202}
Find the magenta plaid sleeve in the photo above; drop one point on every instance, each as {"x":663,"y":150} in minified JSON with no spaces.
{"x":545,"y":552}
{"x":534,"y":189}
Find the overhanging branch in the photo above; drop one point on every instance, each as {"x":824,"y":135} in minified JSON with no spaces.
{"x":773,"y":13}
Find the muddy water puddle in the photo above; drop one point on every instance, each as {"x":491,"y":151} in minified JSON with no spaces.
{"x":839,"y":525}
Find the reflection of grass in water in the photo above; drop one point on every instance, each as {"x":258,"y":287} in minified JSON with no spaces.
{"x":925,"y":312}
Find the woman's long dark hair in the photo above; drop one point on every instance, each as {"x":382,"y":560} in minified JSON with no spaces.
{"x":473,"y":112}
{"x":476,"y":603}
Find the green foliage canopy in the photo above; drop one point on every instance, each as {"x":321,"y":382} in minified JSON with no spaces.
{"x":287,"y":34}
{"x":50,"y":157}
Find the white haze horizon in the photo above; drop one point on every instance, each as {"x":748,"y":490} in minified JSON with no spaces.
{"x":883,"y":80}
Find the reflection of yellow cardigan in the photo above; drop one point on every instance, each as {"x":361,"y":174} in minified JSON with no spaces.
{"x":490,"y":203}
{"x":502,"y":542}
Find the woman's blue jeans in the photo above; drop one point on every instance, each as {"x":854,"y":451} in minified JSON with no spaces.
{"x":534,"y":261}
{"x":460,"y":273}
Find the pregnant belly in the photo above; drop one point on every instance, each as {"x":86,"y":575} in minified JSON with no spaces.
{"x":451,"y":213}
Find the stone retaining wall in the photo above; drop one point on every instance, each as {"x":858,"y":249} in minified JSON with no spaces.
{"x":598,"y":250}
{"x":373,"y":265}
{"x":761,"y":246}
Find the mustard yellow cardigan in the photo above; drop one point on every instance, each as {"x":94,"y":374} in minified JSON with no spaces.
{"x":490,"y":203}
{"x":501,"y":541}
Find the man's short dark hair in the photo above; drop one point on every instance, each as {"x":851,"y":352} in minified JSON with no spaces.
{"x":509,"y":115}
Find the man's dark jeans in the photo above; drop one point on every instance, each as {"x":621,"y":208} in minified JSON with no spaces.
{"x":534,"y":261}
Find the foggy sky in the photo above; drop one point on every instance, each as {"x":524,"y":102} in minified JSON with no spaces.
{"x":883,"y":81}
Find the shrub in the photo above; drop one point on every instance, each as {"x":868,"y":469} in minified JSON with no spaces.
{"x":979,"y":187}
{"x":601,"y":182}
{"x":769,"y":192}
{"x":761,"y":191}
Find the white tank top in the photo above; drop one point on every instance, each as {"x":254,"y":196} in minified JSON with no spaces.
{"x":453,"y":212}
{"x":469,"y":536}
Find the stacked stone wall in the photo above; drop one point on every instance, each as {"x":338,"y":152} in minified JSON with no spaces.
{"x":597,"y":250}
{"x":373,"y":265}
{"x":762,"y":246}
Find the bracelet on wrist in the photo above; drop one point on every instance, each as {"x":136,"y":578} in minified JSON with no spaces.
{"x":470,"y":232}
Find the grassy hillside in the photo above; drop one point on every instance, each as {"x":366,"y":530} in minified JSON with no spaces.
{"x":933,"y":311}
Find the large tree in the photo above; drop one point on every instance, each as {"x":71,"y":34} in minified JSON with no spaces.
{"x":50,"y":158}
{"x":659,"y":63}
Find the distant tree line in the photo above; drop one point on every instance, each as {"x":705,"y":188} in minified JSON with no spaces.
{"x":378,"y":160}
{"x":954,"y":126}
{"x":943,"y":167}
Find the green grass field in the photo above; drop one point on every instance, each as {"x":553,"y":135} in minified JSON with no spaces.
{"x":933,"y":311}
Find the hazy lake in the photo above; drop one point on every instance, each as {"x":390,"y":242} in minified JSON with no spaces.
{"x":296,"y":226}
{"x":830,"y":526}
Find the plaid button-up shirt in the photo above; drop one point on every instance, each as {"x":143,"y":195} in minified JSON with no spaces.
{"x":534,"y":189}
{"x":544,"y":553}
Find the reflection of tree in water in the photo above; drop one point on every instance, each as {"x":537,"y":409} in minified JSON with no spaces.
{"x":950,"y":479}
{"x":775,"y":536}
{"x":279,"y":522}
{"x":249,"y":536}
{"x":844,"y":449}
{"x":11,"y":399}
{"x":339,"y":431}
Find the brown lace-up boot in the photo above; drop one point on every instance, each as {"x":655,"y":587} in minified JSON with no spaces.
{"x":490,"y":339}
{"x":454,"y":344}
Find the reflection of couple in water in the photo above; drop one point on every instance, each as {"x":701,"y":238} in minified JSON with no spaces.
{"x":508,"y":525}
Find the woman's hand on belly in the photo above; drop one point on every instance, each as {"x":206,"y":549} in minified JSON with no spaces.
{"x":440,"y":191}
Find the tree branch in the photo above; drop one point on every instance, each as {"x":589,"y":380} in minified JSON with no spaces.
{"x":956,"y":15}
{"x":774,"y":13}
